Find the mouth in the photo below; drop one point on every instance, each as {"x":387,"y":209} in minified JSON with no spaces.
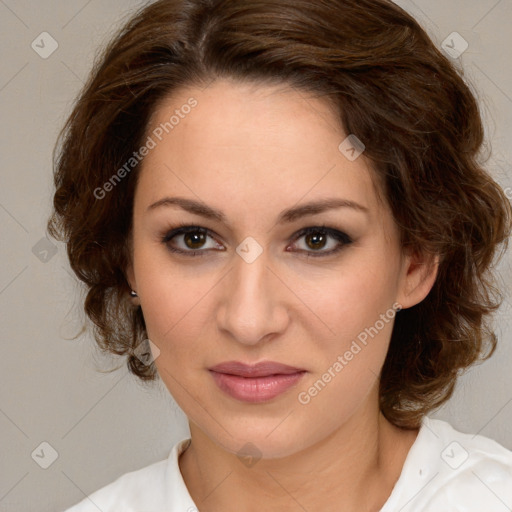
{"x":255,"y":383}
{"x":262,"y":369}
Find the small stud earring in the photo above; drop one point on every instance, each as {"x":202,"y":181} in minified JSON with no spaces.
{"x":133,"y":294}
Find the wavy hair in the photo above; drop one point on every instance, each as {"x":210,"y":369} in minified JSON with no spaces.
{"x":388,"y":84}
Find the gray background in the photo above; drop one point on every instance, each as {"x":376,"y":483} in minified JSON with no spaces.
{"x":102,"y":425}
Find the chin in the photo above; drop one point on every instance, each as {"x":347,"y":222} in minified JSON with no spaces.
{"x":268,"y":439}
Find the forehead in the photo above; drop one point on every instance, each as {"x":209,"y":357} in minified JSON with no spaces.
{"x":244,"y":115}
{"x":251,"y":143}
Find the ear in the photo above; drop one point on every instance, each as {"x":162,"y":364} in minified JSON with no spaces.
{"x":130,"y":278}
{"x":419,"y":272}
{"x":128,"y":271}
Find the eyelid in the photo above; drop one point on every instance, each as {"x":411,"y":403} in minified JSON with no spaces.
{"x":184,"y":228}
{"x":343,"y":239}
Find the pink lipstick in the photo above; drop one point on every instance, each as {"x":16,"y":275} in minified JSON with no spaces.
{"x":255,"y":383}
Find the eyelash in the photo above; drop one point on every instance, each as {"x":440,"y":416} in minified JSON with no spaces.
{"x":324,"y":230}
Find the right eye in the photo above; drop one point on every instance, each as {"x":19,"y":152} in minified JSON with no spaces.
{"x":188,"y":240}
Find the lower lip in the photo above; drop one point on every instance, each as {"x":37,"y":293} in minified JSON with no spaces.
{"x":255,"y":389}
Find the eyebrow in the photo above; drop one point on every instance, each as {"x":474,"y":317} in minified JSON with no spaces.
{"x":289,"y":215}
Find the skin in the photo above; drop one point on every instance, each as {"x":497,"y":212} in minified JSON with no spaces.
{"x":252,"y":151}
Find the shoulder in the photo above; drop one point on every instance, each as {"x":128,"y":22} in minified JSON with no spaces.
{"x":451,"y":471}
{"x":476,"y":471}
{"x":149,"y":488}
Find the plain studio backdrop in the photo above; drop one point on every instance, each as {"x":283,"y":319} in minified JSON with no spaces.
{"x":56,"y":409}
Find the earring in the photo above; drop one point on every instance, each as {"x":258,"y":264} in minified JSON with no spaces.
{"x":133,"y":294}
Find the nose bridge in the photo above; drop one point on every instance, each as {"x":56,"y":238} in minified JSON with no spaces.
{"x":251,"y":306}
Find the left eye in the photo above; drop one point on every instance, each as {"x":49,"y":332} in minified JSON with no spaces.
{"x":316,"y":239}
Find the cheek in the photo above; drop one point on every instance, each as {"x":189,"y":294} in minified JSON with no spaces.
{"x":177,"y":301}
{"x":174,"y":301}
{"x":354,"y":301}
{"x":359,"y":311}
{"x":175,"y":319}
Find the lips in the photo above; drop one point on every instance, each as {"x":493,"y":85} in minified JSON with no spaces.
{"x":262,"y":369}
{"x":257,"y":383}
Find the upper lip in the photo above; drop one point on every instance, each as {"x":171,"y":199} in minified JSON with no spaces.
{"x":261,"y":369}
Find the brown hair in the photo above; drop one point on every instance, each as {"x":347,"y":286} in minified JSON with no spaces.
{"x":389,"y":85}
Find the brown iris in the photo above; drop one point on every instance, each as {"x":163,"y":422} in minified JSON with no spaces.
{"x":196,"y":238}
{"x":317,"y":238}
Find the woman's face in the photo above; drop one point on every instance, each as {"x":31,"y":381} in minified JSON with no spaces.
{"x":248,"y":286}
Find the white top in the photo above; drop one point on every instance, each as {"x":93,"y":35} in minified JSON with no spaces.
{"x":445,"y":471}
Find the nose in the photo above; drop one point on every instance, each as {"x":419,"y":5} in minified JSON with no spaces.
{"x":252,"y":305}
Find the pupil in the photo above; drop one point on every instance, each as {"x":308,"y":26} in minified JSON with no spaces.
{"x":317,"y":238}
{"x":196,"y":238}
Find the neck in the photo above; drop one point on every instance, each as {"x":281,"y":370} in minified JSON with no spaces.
{"x":354,"y":468}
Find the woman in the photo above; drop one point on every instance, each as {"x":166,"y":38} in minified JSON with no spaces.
{"x":277,"y":208}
